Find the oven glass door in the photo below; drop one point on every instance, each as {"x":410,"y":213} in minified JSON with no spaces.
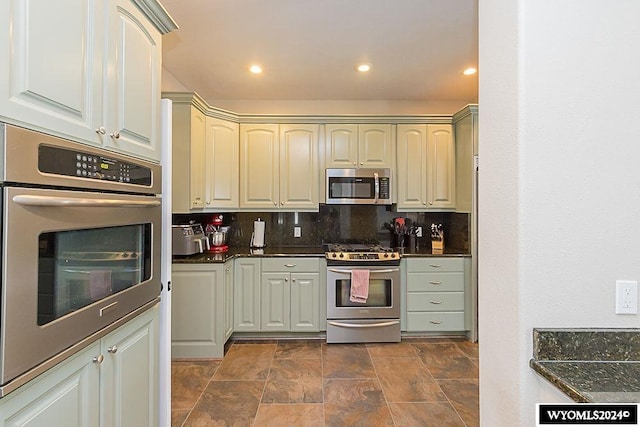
{"x":77,"y":268}
{"x":346,"y":187}
{"x":383,"y":300}
{"x":73,"y":263}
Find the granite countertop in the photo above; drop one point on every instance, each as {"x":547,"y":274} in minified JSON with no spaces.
{"x":590,"y":365}
{"x":292,"y":251}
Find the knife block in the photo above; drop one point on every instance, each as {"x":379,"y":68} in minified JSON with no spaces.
{"x":437,"y":247}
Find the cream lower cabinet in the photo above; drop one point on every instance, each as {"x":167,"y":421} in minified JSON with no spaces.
{"x":246,"y":294}
{"x":112,"y":382}
{"x":436,"y":294}
{"x":290,"y":299}
{"x":425,"y":168}
{"x":200,"y":310}
{"x":279,"y":167}
{"x":91,"y":75}
{"x":359,"y":146}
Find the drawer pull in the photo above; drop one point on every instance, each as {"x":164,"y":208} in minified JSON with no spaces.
{"x":435,"y":302}
{"x":435,"y":265}
{"x":290,"y":265}
{"x":438,"y":322}
{"x":435,"y":282}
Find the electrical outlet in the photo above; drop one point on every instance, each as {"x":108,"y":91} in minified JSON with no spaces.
{"x":418,"y":231}
{"x":626,"y":297}
{"x":297,"y":232}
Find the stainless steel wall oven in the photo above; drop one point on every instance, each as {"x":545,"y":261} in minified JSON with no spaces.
{"x":80,"y":248}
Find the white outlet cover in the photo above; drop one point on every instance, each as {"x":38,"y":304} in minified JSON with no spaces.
{"x":626,"y":297}
{"x":297,"y":232}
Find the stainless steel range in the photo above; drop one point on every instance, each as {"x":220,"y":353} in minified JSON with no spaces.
{"x":363,"y":294}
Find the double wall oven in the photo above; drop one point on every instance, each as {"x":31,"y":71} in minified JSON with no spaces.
{"x":376,"y":316}
{"x":80,"y":248}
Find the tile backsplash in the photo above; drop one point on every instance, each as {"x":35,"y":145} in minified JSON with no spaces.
{"x":336,"y":224}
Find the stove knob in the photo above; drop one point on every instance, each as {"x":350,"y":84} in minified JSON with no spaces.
{"x":334,"y":255}
{"x":341,"y":255}
{"x":386,"y":255}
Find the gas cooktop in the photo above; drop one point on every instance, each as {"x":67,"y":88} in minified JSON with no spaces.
{"x":360,"y":252}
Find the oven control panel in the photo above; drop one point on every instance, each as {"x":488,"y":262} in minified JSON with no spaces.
{"x":75,"y":163}
{"x":362,"y":256}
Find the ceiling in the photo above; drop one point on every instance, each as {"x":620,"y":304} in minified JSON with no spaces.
{"x":308,"y":49}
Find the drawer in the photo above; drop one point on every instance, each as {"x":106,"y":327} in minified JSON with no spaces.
{"x":435,"y":282}
{"x":435,"y":321}
{"x":435,"y":264}
{"x":279,"y":264}
{"x":435,"y":301}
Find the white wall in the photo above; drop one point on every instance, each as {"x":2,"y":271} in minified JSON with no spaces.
{"x":559,"y":181}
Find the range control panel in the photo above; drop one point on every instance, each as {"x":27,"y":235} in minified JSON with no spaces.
{"x":62,"y":161}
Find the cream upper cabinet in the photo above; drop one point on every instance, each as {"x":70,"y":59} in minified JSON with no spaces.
{"x":359,"y":146}
{"x":411,"y":148}
{"x":198,"y":129}
{"x":278,"y":167}
{"x":441,"y":167}
{"x":426,"y":167}
{"x":86,"y":75}
{"x":221,"y":168}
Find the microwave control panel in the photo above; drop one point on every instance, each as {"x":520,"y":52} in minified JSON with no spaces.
{"x":384,"y":188}
{"x":76,"y":163}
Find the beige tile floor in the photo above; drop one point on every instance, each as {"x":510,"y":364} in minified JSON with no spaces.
{"x":418,"y":382}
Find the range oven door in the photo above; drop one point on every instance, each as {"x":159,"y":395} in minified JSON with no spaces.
{"x":383,"y":301}
{"x":73,"y":263}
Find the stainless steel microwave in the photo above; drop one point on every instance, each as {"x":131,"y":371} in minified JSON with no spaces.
{"x":358,"y":187}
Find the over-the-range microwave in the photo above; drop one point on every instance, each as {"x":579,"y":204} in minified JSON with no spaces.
{"x":358,"y":186}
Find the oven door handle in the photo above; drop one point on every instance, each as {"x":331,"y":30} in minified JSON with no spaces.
{"x":364,"y":325}
{"x":70,"y":202}
{"x":388,"y":270}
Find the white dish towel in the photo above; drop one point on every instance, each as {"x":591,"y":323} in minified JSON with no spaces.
{"x":359,"y":286}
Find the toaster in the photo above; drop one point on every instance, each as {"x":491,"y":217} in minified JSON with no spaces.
{"x":188,"y":239}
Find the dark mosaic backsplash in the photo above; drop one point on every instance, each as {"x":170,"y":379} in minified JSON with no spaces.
{"x":337,"y":224}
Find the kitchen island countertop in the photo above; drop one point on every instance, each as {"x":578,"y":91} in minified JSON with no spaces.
{"x":590,"y":365}
{"x":293,"y":251}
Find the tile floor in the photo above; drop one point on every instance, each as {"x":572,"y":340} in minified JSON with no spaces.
{"x":418,"y":382}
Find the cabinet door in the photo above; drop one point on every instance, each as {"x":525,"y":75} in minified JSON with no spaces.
{"x":299,"y":181}
{"x":132,"y":116}
{"x":341,"y":146}
{"x":197,"y":159}
{"x":64,"y":396}
{"x":375,"y":146}
{"x":441,"y":171}
{"x":412,"y":166}
{"x":259,"y":179}
{"x":228,"y":300}
{"x":197,"y":311}
{"x":51,"y":54}
{"x":221,"y":164}
{"x":129,"y":378}
{"x":246,"y":295}
{"x":275,"y":301}
{"x":305,"y":302}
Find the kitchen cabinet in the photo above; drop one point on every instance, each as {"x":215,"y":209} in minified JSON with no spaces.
{"x":199,"y":310}
{"x":91,"y":75}
{"x":113,"y":381}
{"x":426,"y":167}
{"x":359,"y":146}
{"x":290,"y":298}
{"x":436,"y":294}
{"x":279,"y":167}
{"x":228,"y":300}
{"x":205,"y":159}
{"x":246,"y":295}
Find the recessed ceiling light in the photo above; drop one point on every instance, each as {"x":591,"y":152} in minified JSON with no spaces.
{"x":255,"y":69}
{"x":363,"y":68}
{"x":469,"y":71}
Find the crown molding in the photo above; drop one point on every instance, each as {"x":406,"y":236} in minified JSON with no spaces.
{"x":157,"y":14}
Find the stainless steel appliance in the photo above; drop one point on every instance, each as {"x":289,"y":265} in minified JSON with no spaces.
{"x":358,"y":187}
{"x":188,"y":239}
{"x":80,"y":248}
{"x":377,"y":319}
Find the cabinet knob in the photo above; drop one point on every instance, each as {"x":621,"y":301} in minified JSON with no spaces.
{"x":208,"y":202}
{"x":431,"y":203}
{"x":275,"y":203}
{"x":115,"y":135}
{"x":281,"y":203}
{"x":424,"y":203}
{"x":286,"y":280}
{"x":361,"y":163}
{"x":98,"y":359}
{"x":355,"y":163}
{"x":113,"y":349}
{"x":293,"y":280}
{"x":101,"y":130}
